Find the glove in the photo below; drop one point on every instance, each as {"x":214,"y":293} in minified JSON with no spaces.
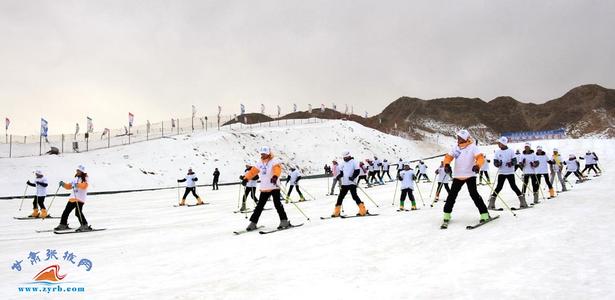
{"x":475,"y":169}
{"x":509,"y":164}
{"x":179,"y":180}
{"x":243,"y":181}
{"x":241,"y":177}
{"x":61,"y":183}
{"x":339,"y":177}
{"x":447,"y":169}
{"x":274,"y":179}
{"x":28,"y":182}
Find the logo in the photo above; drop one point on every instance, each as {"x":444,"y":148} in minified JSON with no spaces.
{"x":53,"y":274}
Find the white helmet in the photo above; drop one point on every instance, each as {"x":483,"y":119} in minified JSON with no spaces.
{"x":265,"y":150}
{"x":464,"y":134}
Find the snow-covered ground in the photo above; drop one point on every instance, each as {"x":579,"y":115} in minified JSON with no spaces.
{"x":561,"y":249}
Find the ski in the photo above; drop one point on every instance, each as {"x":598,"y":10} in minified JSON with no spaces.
{"x":444,"y":225}
{"x":52,"y":230}
{"x":330,"y":217}
{"x":521,"y":208}
{"x":401,"y":210}
{"x":77,"y":231}
{"x":32,"y":218}
{"x":469,"y":227}
{"x":245,"y":231}
{"x":276,"y":230}
{"x":204,"y":203}
{"x":248,"y":211}
{"x":355,"y":216}
{"x":295,"y":202}
{"x":496,"y":209}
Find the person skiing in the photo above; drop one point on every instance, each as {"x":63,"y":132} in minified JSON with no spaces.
{"x":484,"y":170}
{"x":371,"y":172}
{"x":214,"y":184}
{"x":293,"y":178}
{"x":385,"y":170}
{"x":79,"y":191}
{"x":348,"y":173}
{"x":41,"y":192}
{"x":378,"y":170}
{"x":421,"y":172}
{"x":543,"y":170}
{"x":528,"y":165}
{"x":518,"y":157}
{"x":468,"y":160}
{"x":335,"y":170}
{"x":362,"y":174}
{"x":250,"y":189}
{"x":190,"y":181}
{"x":591,"y":161}
{"x":572,"y":167}
{"x":505,"y":160}
{"x":407,"y":178}
{"x":557,"y":166}
{"x":400,"y":167}
{"x":269,"y":170}
{"x":442,"y":178}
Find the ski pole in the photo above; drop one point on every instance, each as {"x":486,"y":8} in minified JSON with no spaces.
{"x":498,"y":194}
{"x":420,"y":194}
{"x":327,"y":187}
{"x":79,"y":211}
{"x":238,"y":196}
{"x":395,"y":193}
{"x":432,"y":186}
{"x":23,"y":197}
{"x":295,"y":204}
{"x":368,"y":197}
{"x":54,"y":197}
{"x":306,"y":191}
{"x":178,"y":196}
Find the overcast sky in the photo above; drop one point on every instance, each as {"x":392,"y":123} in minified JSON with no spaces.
{"x":65,"y":60}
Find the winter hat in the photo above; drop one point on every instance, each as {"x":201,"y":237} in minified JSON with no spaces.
{"x":571,"y":156}
{"x":38,"y":172}
{"x":464,"y":134}
{"x":81,"y":168}
{"x":503,"y":140}
{"x":528,"y":145}
{"x":265,"y":150}
{"x":538,"y":147}
{"x":346,"y":153}
{"x":555,"y":150}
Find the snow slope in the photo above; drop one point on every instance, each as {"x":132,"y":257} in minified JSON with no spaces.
{"x":122,"y":168}
{"x":560,"y":249}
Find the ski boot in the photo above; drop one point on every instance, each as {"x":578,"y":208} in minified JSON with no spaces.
{"x":61,"y":227}
{"x":243,"y":207}
{"x":251,"y":227}
{"x":536,"y":201}
{"x":199,"y":201}
{"x":522,"y":203}
{"x":362,"y":210}
{"x":84,"y":227}
{"x":284,"y":224}
{"x":446,"y":219}
{"x":182,"y":202}
{"x":34,"y":213}
{"x":491,"y":203}
{"x":484,"y":218}
{"x":43,"y":213}
{"x":336,"y":211}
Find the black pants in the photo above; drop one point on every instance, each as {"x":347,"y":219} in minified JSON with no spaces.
{"x":546,"y":176}
{"x":353,"y":192}
{"x":262,"y":200}
{"x":188,"y":190}
{"x":290,"y":190}
{"x":486,"y":175}
{"x":387,"y":173}
{"x":215,"y":184}
{"x":456,"y":187}
{"x":406,"y":193}
{"x":590,"y":167}
{"x":439,"y":188}
{"x":379,"y":174}
{"x":78,"y":212}
{"x":511,"y":181}
{"x":576,"y":173}
{"x":39,"y":201}
{"x":364,"y":177}
{"x":372,"y":177}
{"x":526,"y":179}
{"x":422,"y":175}
{"x":248,"y":191}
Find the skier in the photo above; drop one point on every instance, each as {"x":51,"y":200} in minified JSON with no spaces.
{"x":505,"y":160}
{"x":572,"y":167}
{"x":190,"y":181}
{"x":421,"y":171}
{"x":41,"y":192}
{"x":556,"y":168}
{"x":348,"y":173}
{"x":78,"y":195}
{"x":484,"y":170}
{"x":250,"y":189}
{"x":371,"y":173}
{"x":468,"y":159}
{"x":407,"y":178}
{"x":216,"y":178}
{"x":378,"y":169}
{"x":518,"y":157}
{"x":528,"y":165}
{"x":590,"y":163}
{"x":269,"y":170}
{"x":543,"y":170}
{"x":385,"y":170}
{"x":335,"y":170}
{"x":293,"y":178}
{"x":400,"y":167}
{"x":442,"y":178}
{"x":362,"y":174}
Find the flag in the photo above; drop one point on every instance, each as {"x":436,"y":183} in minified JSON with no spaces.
{"x":219,"y":111}
{"x":294,"y":107}
{"x":7,"y":122}
{"x":90,"y":125}
{"x":193,"y":111}
{"x":243,"y":109}
{"x":322,"y":108}
{"x":106,"y":131}
{"x":44,"y":127}
{"x":310,"y":108}
{"x":263,"y":109}
{"x":366,"y":114}
{"x":346,"y":110}
{"x":279,"y":111}
{"x":76,"y":129}
{"x":131,"y":119}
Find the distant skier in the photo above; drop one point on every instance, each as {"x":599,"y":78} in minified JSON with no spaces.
{"x":484,"y":170}
{"x":556,"y":168}
{"x":528,"y":165}
{"x":293,"y":178}
{"x":572,"y":167}
{"x":214,"y":184}
{"x":421,"y":172}
{"x":349,"y":171}
{"x":378,"y":169}
{"x":371,"y":173}
{"x":468,"y":159}
{"x":79,"y":191}
{"x":269,"y":170}
{"x":505,"y":160}
{"x":591,"y":163}
{"x":41,"y":192}
{"x":385,"y":170}
{"x":335,"y":170}
{"x":363,"y":170}
{"x":407,"y":178}
{"x":250,"y":189}
{"x":190,"y":181}
{"x":518,"y":157}
{"x":400,"y":167}
{"x":442,"y":178}
{"x":543,"y":170}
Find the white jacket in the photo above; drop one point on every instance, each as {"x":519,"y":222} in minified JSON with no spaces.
{"x":543,"y":164}
{"x":348,"y":168}
{"x":465,"y":160}
{"x":41,"y":191}
{"x":407,"y":181}
{"x":506,"y":157}
{"x":526,"y":159}
{"x":293,"y":176}
{"x":443,"y":177}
